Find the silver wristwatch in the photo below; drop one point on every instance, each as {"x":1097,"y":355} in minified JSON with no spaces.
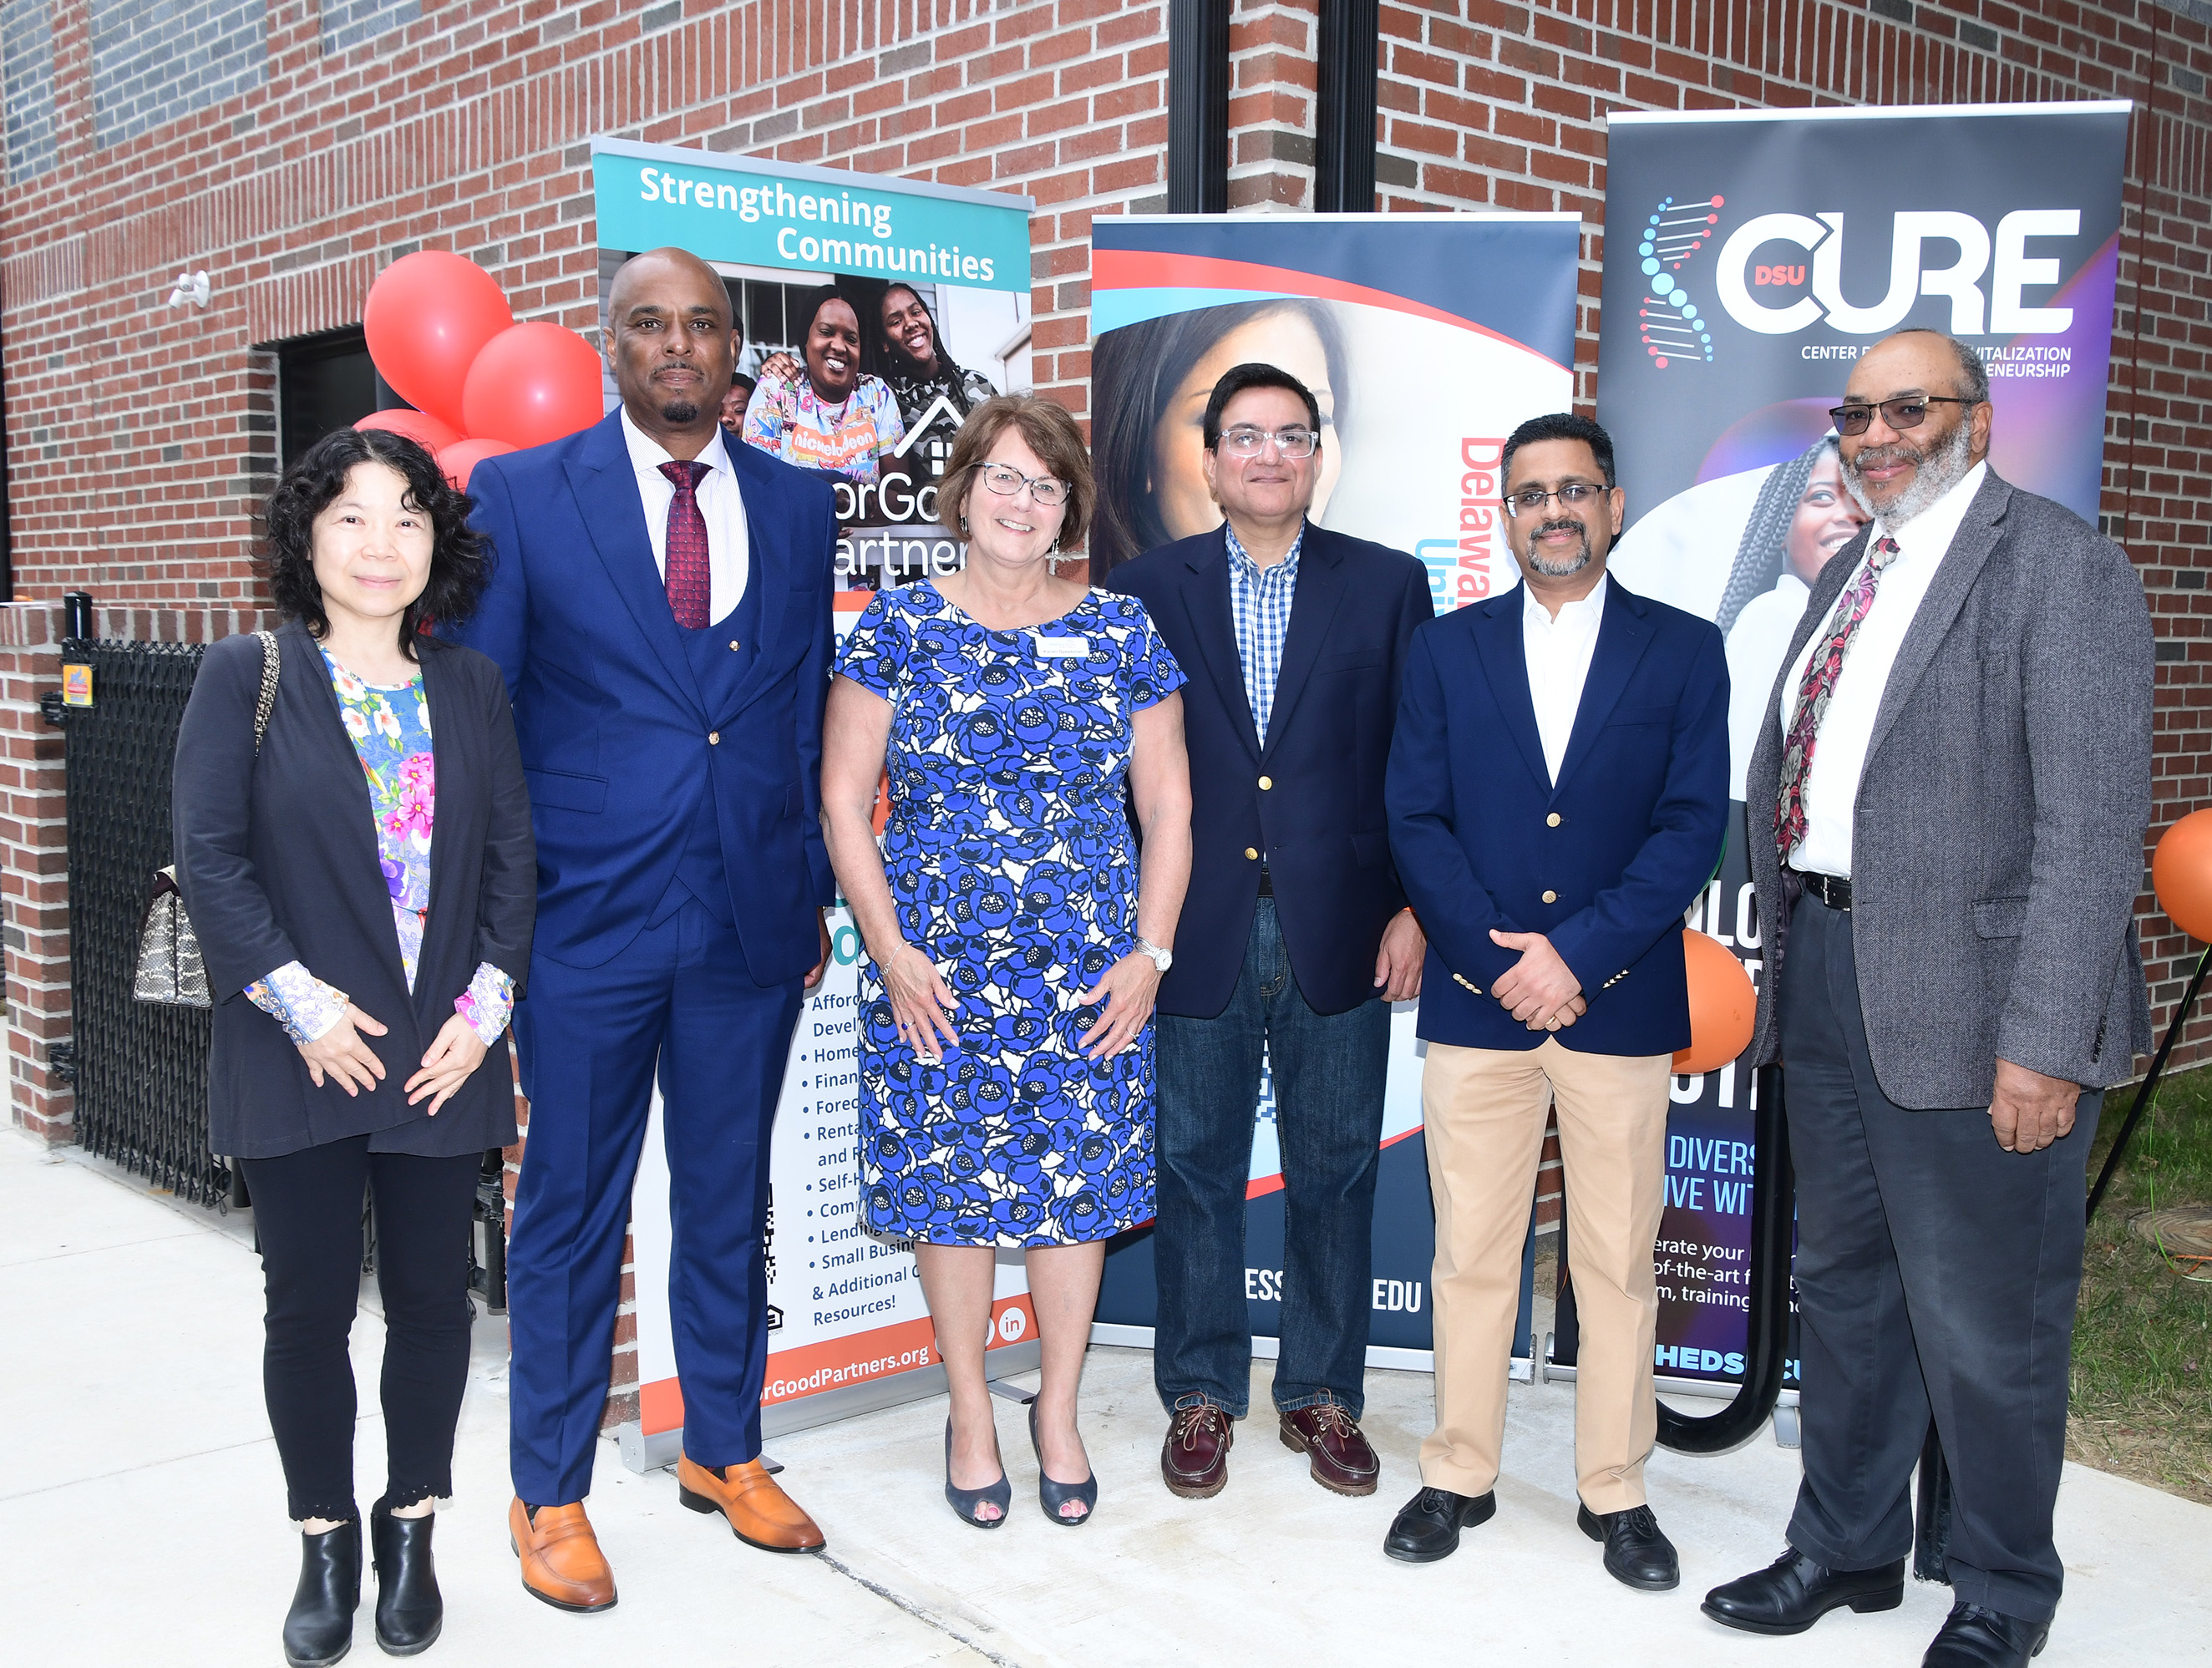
{"x":1162,"y":959}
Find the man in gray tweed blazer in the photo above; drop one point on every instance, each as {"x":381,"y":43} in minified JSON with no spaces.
{"x":1947,"y":811}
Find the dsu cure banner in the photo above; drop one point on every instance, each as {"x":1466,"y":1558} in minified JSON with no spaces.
{"x":1750,"y":257}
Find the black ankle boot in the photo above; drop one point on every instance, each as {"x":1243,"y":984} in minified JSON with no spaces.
{"x":318,"y":1630}
{"x":409,"y":1610}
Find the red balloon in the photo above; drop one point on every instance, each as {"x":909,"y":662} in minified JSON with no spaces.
{"x":532,"y":384}
{"x":420,"y":427}
{"x":2181,"y":874}
{"x":427,"y":317}
{"x":459,"y":459}
{"x":1723,"y":1005}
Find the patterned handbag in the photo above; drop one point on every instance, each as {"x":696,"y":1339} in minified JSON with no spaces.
{"x":170,"y":969}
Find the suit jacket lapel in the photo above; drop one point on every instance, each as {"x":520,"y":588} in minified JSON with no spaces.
{"x":1946,"y":592}
{"x":1623,"y":634}
{"x":1313,"y":606}
{"x":1505,"y":663}
{"x":1214,"y":624}
{"x":614,"y":517}
{"x":445,"y":730}
{"x":770,"y":559}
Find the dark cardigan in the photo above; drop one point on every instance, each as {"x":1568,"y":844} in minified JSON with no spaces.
{"x":276,"y":857}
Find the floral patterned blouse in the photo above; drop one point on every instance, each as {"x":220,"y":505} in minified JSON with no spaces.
{"x":389,"y":729}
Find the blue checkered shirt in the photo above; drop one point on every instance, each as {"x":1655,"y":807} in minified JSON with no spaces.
{"x":1259,"y":598}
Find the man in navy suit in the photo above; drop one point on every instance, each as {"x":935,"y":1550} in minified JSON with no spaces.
{"x":1558,"y":795}
{"x":1294,"y":938}
{"x":661,"y":602}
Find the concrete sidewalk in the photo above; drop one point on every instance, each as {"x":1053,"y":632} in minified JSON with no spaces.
{"x":142,"y":1508}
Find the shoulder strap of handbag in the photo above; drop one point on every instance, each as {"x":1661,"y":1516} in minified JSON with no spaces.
{"x":272,"y":662}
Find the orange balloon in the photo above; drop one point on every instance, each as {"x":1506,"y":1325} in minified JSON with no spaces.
{"x":1723,"y":1005}
{"x":459,"y":459}
{"x":420,"y":427}
{"x":428,"y":316}
{"x":2181,"y":874}
{"x":532,"y":382}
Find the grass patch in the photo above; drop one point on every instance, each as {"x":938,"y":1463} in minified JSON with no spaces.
{"x":2141,"y":1401}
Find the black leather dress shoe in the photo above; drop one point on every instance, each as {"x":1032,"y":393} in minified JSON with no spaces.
{"x":1974,"y":1637}
{"x":409,"y":1610}
{"x":318,"y":1630}
{"x":1637,"y":1553}
{"x":1793,"y":1592}
{"x":1427,"y":1527}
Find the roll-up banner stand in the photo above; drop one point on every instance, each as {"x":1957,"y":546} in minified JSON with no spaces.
{"x":1426,"y":338}
{"x":847,"y":1328}
{"x":1750,"y":257}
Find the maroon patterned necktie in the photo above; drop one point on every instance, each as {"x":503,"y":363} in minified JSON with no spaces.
{"x":690,"y":579}
{"x":1813,"y":691}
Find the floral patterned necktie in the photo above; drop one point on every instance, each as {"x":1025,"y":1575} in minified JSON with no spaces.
{"x":1814,"y":690}
{"x":690,"y":580}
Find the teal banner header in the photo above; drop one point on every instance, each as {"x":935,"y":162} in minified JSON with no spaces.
{"x":807,"y":219}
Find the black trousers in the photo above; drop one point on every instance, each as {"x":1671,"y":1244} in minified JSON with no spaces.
{"x":1936,"y":1275}
{"x":307,"y":1206}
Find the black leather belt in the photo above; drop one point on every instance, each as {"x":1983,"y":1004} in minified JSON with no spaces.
{"x":1828,"y":889}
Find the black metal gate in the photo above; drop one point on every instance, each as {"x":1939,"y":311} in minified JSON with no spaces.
{"x":140,"y":1070}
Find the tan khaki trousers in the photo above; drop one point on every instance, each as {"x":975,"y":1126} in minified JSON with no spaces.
{"x":1483,"y":1113}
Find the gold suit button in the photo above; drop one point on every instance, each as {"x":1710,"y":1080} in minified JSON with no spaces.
{"x":715,"y":739}
{"x":1251,"y":851}
{"x":1551,"y":897}
{"x":1550,"y":822}
{"x":1267,"y":782}
{"x":733,"y":643}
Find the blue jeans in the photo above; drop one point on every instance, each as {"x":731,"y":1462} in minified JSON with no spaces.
{"x":1329,"y":1072}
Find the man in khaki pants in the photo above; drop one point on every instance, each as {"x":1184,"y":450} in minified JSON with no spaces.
{"x":1558,"y":793}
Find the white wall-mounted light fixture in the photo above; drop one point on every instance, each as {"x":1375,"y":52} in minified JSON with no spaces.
{"x":192,"y":286}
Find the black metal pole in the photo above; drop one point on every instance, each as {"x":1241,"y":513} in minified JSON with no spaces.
{"x":1344,"y":58}
{"x":1198,"y":106}
{"x":1766,"y":1340}
{"x":2149,"y":1085}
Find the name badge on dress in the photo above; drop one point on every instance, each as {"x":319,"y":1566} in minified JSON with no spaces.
{"x":1064,"y":648}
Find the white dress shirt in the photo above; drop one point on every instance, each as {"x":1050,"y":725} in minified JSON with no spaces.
{"x":729,"y":557}
{"x":1559,"y":650}
{"x":1839,"y":751}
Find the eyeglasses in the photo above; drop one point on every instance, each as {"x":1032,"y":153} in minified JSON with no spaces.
{"x":1532,"y":500}
{"x":1246,"y":441}
{"x":1006,"y":480}
{"x":1908,"y":413}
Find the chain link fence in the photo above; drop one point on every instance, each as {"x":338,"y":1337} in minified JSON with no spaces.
{"x":140,"y":1070}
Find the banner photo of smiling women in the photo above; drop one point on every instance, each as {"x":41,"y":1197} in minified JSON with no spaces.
{"x":1751,"y":258}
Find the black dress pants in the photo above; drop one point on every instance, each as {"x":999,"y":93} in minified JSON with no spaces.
{"x":307,"y":1206}
{"x":1936,"y":1274}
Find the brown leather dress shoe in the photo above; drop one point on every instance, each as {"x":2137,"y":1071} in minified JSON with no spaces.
{"x":759,"y":1512}
{"x":1337,"y":1454}
{"x":1194,"y":1459}
{"x":561,"y":1562}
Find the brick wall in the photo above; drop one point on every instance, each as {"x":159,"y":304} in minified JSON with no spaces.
{"x":292,"y":151}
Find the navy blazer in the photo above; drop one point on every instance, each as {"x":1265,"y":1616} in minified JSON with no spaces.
{"x":276,"y":858}
{"x":1606,"y":863}
{"x":1310,"y":798}
{"x":618,"y":742}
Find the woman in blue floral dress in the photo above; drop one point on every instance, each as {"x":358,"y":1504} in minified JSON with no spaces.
{"x":1015,"y":937}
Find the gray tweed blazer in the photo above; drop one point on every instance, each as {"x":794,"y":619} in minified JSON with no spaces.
{"x":1997,"y":841}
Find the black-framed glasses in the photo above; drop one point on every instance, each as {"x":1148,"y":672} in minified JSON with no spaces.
{"x":1530,"y":501}
{"x":1899,"y":414}
{"x":1006,"y":480}
{"x":1247,"y":440}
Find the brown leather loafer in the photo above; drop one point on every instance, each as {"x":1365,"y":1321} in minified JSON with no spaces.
{"x":1194,"y":1459}
{"x":561,"y":1562}
{"x":1337,"y":1454}
{"x":759,"y":1512}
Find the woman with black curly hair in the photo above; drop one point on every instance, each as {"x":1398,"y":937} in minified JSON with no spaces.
{"x":364,"y":896}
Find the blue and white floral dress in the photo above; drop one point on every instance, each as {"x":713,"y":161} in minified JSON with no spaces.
{"x":1013,"y":867}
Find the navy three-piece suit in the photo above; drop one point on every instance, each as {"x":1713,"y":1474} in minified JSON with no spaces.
{"x":675,"y":785}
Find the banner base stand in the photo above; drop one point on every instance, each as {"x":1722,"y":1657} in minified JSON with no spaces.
{"x":642,"y":1453}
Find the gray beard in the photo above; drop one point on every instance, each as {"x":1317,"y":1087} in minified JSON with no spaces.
{"x":1939,"y":469}
{"x":1560,"y":570}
